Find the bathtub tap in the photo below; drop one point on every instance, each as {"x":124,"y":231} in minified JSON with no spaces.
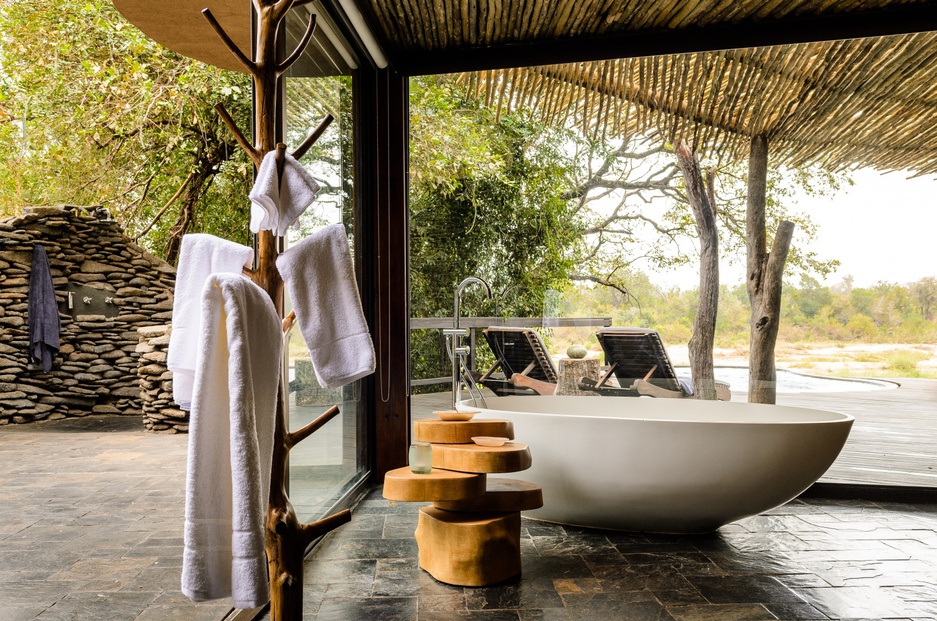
{"x":457,"y":351}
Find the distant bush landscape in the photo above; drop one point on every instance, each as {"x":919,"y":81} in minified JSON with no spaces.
{"x":887,"y":330}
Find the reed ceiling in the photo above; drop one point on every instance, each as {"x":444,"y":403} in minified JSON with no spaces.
{"x":498,"y":31}
{"x":867,"y":102}
{"x":836,"y":82}
{"x":840,"y":102}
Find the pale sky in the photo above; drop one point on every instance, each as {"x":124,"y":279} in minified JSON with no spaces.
{"x":884,"y":227}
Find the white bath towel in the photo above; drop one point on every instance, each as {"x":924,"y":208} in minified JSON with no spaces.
{"x":276,"y":204}
{"x":265,"y":196}
{"x":231,"y":444}
{"x":200,"y":256}
{"x":320,"y":278}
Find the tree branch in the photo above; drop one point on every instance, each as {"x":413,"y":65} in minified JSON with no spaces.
{"x":253,"y":153}
{"x":292,"y":58}
{"x":295,"y":437}
{"x":605,"y":282}
{"x":312,"y":531}
{"x":231,"y":45}
{"x":166,"y":206}
{"x":313,"y":137}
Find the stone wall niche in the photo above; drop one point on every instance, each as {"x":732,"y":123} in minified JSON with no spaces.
{"x":106,"y":288}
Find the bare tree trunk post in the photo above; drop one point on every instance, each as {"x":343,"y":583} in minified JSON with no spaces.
{"x":702,"y":202}
{"x":765,"y":271}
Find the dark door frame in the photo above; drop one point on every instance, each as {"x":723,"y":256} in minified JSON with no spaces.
{"x":381,"y":152}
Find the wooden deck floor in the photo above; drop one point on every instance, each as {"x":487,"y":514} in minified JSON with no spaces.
{"x":894,"y":438}
{"x":893,"y":441}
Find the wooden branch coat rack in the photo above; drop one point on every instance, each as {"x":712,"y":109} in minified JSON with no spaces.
{"x":286,"y":537}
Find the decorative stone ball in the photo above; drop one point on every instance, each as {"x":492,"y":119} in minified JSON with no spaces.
{"x":576,"y":351}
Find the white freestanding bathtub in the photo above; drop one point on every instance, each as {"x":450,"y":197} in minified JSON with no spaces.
{"x":667,"y":465}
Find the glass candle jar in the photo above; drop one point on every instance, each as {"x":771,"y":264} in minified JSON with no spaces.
{"x":421,"y":457}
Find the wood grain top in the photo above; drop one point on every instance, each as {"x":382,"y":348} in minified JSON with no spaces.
{"x":460,"y":432}
{"x":402,"y":484}
{"x":512,"y":457}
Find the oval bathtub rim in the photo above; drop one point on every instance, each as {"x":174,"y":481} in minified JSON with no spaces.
{"x":845,"y":418}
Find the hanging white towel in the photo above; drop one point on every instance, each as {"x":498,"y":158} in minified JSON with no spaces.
{"x":320,"y":278}
{"x":265,"y":196}
{"x":276,"y":204}
{"x":231,"y":444}
{"x":200,"y":256}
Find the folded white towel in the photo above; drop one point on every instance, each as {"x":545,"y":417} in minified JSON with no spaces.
{"x":265,"y":196}
{"x":276,"y":204}
{"x":200,"y":256}
{"x":231,"y":444}
{"x":320,"y":278}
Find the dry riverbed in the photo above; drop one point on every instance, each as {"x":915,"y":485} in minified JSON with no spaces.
{"x":847,"y":360}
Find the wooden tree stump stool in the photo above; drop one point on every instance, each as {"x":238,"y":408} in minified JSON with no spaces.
{"x":571,"y":370}
{"x":469,"y":549}
{"x":471,"y":536}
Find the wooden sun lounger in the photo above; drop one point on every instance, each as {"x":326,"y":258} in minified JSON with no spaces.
{"x":522,"y":359}
{"x":636,"y":357}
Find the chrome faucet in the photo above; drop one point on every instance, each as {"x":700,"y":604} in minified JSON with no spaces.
{"x":458,"y":352}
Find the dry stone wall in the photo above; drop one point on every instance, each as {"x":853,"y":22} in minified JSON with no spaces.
{"x":160,"y":413}
{"x":107,"y":287}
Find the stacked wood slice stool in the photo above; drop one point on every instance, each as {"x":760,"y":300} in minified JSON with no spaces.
{"x":471,"y":534}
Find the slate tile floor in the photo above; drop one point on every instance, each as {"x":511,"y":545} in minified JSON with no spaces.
{"x":91,"y":514}
{"x":811,"y":559}
{"x":91,"y":521}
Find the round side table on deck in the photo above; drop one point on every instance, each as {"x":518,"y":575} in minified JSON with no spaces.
{"x":571,"y":369}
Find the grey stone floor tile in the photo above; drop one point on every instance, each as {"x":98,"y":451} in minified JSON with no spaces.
{"x":641,"y":577}
{"x":190,"y":613}
{"x":795,"y":611}
{"x":105,"y":543}
{"x":860,"y":603}
{"x":536,"y":594}
{"x":548,"y":614}
{"x":98,"y":606}
{"x":368,"y":609}
{"x":721,"y":612}
{"x":683,"y":597}
{"x":743,"y":589}
{"x":21,"y":613}
{"x":471,"y":615}
{"x":446,"y":602}
{"x":343,"y":571}
{"x":554,"y":567}
{"x":579,"y":544}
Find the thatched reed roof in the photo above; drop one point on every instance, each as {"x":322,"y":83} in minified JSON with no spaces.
{"x":847,"y":101}
{"x":868,"y":102}
{"x":426,"y":36}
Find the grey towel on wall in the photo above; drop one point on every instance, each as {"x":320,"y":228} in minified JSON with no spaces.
{"x":43,"y":312}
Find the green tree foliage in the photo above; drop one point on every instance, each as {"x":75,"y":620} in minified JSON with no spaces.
{"x":93,"y":112}
{"x":536,"y":208}
{"x":785,"y":185}
{"x":924,"y":295}
{"x":486,"y":199}
{"x":813,"y":313}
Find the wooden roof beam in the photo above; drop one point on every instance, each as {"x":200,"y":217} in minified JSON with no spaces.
{"x":894,"y":20}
